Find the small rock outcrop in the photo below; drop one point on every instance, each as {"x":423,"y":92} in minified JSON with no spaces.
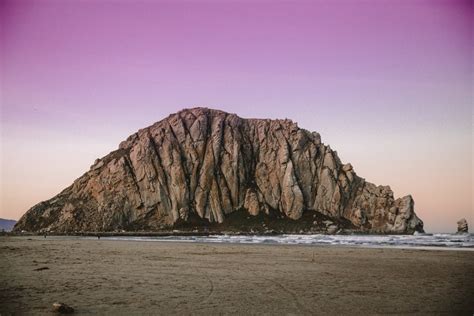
{"x":462,"y":226}
{"x":202,"y":168}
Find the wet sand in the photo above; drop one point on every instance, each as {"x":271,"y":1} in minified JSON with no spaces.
{"x":133,"y":277}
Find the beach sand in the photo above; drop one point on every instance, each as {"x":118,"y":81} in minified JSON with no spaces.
{"x":135,"y":277}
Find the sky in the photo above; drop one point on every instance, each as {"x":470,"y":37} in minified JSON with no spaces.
{"x":388,"y":84}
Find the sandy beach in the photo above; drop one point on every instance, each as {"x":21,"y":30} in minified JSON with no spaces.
{"x":132,"y":277}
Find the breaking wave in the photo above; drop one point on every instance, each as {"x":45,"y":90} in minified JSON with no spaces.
{"x":423,"y":241}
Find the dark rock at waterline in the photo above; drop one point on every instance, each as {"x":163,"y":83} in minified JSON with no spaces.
{"x":462,"y":226}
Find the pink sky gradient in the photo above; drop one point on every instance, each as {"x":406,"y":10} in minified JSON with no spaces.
{"x":388,"y":84}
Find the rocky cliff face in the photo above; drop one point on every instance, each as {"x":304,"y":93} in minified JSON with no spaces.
{"x":206,"y":168}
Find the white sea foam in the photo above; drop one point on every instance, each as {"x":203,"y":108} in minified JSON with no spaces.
{"x":419,"y":241}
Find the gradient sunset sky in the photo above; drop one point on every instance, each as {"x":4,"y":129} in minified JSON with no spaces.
{"x":388,"y":84}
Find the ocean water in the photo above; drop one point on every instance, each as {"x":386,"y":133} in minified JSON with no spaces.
{"x":419,"y":241}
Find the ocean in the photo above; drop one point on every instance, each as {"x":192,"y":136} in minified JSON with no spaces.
{"x":417,"y":241}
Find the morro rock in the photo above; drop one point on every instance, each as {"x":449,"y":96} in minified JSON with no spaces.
{"x":202,"y":168}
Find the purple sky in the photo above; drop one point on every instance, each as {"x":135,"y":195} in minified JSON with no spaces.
{"x":386,"y":83}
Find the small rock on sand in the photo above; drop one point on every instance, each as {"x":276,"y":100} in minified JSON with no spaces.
{"x":62,"y":308}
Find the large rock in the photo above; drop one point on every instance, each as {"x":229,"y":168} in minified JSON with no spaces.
{"x":462,"y":226}
{"x":201,"y":166}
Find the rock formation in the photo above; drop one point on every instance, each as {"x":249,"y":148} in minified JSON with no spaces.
{"x":202,"y":168}
{"x":462,"y":226}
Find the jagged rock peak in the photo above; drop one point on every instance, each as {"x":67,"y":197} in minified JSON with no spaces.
{"x":202,"y":167}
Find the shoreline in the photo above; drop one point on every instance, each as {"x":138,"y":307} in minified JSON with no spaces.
{"x":275,"y":244}
{"x":210,"y":233}
{"x":163,"y":238}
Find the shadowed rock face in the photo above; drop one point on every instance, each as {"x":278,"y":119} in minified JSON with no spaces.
{"x":200,"y":166}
